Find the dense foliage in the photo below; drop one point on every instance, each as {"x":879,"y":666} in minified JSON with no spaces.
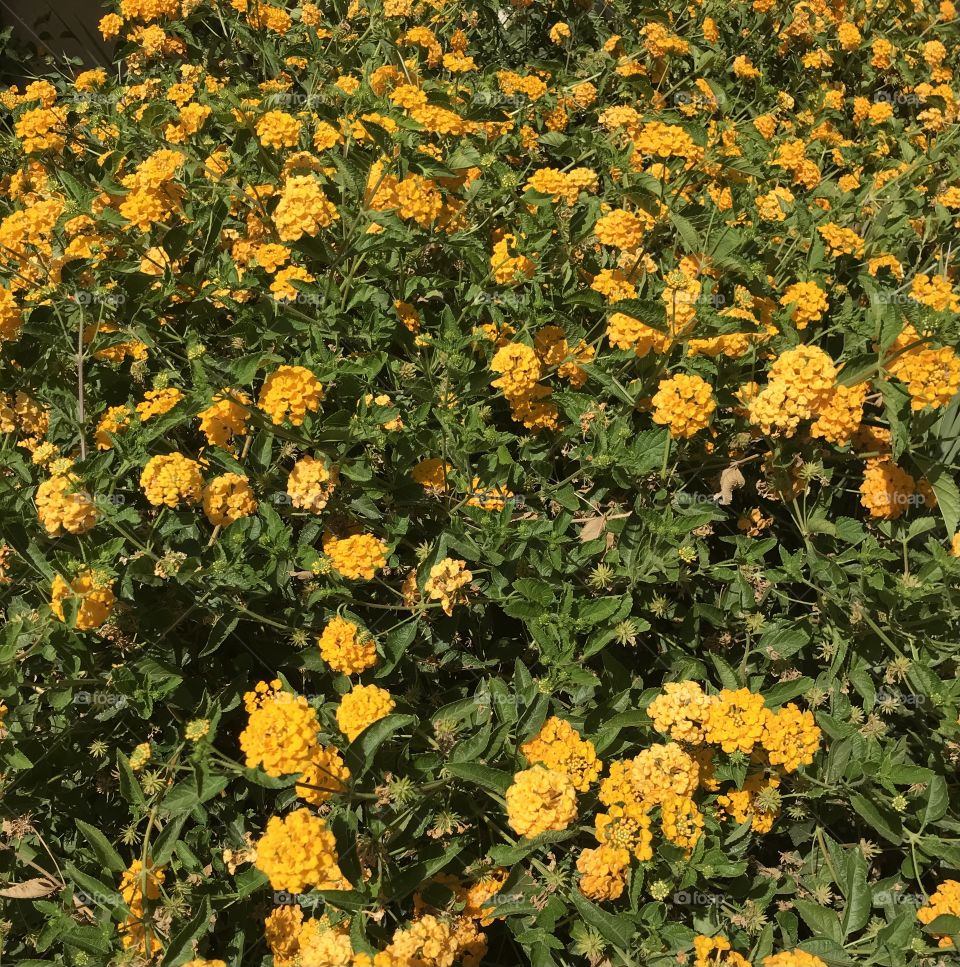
{"x":478,"y":487}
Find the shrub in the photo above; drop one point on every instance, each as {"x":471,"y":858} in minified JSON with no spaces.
{"x":479,"y":488}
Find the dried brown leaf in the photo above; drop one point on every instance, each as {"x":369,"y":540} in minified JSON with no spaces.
{"x":30,"y":889}
{"x":730,"y":480}
{"x":593,"y":527}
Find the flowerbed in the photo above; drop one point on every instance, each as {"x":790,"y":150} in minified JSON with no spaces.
{"x":479,"y":488}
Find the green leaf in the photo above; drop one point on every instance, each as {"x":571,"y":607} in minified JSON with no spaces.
{"x":412,"y":877}
{"x":181,"y":944}
{"x":885,"y":821}
{"x":97,"y":894}
{"x":107,"y":855}
{"x":820,"y":920}
{"x":856,"y":912}
{"x":938,"y":800}
{"x":493,"y":780}
{"x":129,"y":786}
{"x":946,"y":925}
{"x":395,"y":646}
{"x":359,"y":754}
{"x":612,"y":927}
{"x":164,"y":844}
{"x":785,"y":691}
{"x":728,"y":677}
{"x":948,"y":499}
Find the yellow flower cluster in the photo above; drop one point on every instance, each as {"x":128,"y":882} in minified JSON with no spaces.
{"x":277,"y":129}
{"x":736,"y":720}
{"x":361,"y":707}
{"x":935,"y":291}
{"x":153,"y":197}
{"x":625,"y":332}
{"x":622,"y":229}
{"x":614,"y":286}
{"x":171,"y":478}
{"x":290,"y":392}
{"x":540,"y":800}
{"x":281,"y":732}
{"x":560,"y":747}
{"x":432,"y":474}
{"x":656,"y":774}
{"x":625,"y":828}
{"x":800,"y":382}
{"x":932,"y":375}
{"x":357,"y":556}
{"x":520,"y":370}
{"x":11,"y":318}
{"x":225,"y":418}
{"x":716,"y":951}
{"x":156,"y":402}
{"x":603,"y":872}
{"x":347,"y":648}
{"x":841,"y":415}
{"x":790,"y":738}
{"x":325,"y":776}
{"x":684,"y":403}
{"x":841,"y":241}
{"x":681,"y":822}
{"x":311,"y":483}
{"x":809,"y":303}
{"x":551,"y":345}
{"x":434,"y":942}
{"x":794,"y":958}
{"x":679,"y":711}
{"x":506,"y":266}
{"x":62,"y":507}
{"x":743,"y":805}
{"x":303,"y":209}
{"x":114,"y":421}
{"x":446,"y":583}
{"x":297,"y":852}
{"x":563,"y":185}
{"x":294,"y":942}
{"x":228,"y":498}
{"x":41,"y":129}
{"x":93,"y":594}
{"x":139,"y":885}
{"x":775,"y":205}
{"x":414,"y":197}
{"x":487,"y":498}
{"x":945,"y":901}
{"x":887,"y":490}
